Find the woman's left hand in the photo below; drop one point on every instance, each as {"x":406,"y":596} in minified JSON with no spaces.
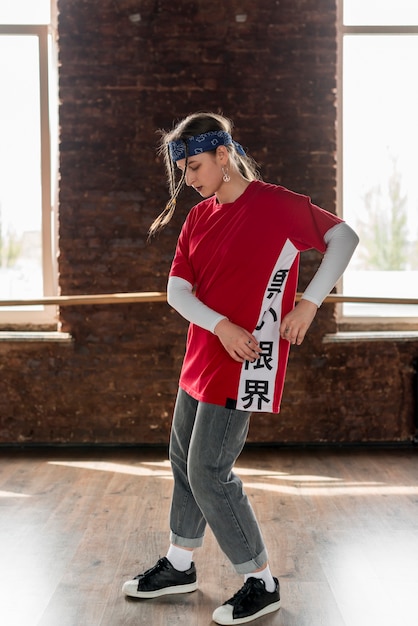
{"x":296,"y":323}
{"x":238,"y":342}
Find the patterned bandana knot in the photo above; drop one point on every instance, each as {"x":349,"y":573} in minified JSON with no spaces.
{"x":202,"y":143}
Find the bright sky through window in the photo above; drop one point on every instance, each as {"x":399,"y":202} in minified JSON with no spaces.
{"x":25,"y":11}
{"x":379,"y":139}
{"x":380,"y":12}
{"x":26,"y":209}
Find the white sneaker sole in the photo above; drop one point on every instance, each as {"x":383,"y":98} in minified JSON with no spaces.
{"x":223,"y":614}
{"x":130,"y":588}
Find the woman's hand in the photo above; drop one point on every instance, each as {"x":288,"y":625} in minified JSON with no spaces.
{"x":296,"y":323}
{"x":238,"y":342}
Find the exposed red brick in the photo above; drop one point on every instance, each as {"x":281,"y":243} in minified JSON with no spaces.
{"x":121,"y":79}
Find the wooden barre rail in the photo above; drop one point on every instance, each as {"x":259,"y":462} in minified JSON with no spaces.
{"x":103,"y":298}
{"x":161,"y":296}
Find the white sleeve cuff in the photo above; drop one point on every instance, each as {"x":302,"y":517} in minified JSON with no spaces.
{"x":181,"y":297}
{"x":341,"y":242}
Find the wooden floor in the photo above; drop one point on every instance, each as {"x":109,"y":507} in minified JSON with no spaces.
{"x":341,"y":528}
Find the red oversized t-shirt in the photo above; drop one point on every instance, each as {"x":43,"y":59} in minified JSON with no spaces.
{"x":243,"y":258}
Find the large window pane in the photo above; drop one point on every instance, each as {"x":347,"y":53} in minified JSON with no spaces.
{"x":20,"y":169}
{"x":380,"y":12}
{"x":380,"y":191}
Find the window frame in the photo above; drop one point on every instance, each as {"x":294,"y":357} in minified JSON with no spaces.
{"x":347,"y":322}
{"x":45,"y":316}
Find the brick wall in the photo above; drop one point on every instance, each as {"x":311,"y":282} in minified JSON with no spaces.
{"x":126,"y":70}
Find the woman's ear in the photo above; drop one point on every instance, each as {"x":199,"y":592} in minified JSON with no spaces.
{"x":222,"y":155}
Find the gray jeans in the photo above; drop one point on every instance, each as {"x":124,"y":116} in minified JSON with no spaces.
{"x":205,"y":442}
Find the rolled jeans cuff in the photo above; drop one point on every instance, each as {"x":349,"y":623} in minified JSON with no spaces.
{"x":185,"y":542}
{"x":253,"y":565}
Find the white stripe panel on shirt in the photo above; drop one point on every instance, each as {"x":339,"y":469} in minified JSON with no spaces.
{"x":257,"y":380}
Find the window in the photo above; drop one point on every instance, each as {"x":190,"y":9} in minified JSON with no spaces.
{"x":28,"y":159}
{"x":378,"y":135}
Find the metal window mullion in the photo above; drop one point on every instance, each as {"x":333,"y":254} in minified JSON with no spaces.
{"x":47,"y":261}
{"x":339,"y":129}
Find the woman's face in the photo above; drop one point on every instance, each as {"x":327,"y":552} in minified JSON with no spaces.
{"x":203,"y":173}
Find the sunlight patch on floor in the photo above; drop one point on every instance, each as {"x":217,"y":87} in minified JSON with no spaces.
{"x":342,"y":489}
{"x":12,"y":494}
{"x":119,"y":468}
{"x":293,"y":484}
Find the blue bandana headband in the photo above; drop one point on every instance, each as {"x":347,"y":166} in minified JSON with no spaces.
{"x":202,"y":143}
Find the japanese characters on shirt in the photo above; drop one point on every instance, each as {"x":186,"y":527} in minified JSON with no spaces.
{"x":257,"y":380}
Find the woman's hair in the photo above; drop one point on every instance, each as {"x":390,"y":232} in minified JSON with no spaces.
{"x":192,"y":125}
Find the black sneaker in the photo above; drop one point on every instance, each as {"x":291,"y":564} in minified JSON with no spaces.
{"x":161,"y":580}
{"x":249,"y":603}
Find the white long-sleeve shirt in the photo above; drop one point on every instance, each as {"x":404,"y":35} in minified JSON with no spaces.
{"x":341,"y":241}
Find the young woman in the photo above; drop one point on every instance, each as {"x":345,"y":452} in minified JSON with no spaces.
{"x":234,"y":278}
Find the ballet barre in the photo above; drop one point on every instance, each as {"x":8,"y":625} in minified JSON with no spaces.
{"x":161,"y":296}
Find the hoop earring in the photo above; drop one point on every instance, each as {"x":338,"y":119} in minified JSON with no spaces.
{"x":226,"y":177}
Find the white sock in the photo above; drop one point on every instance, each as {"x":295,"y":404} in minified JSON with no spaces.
{"x":180,"y":558}
{"x":266,"y":575}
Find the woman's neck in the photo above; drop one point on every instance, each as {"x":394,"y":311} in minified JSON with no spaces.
{"x":231,"y":191}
